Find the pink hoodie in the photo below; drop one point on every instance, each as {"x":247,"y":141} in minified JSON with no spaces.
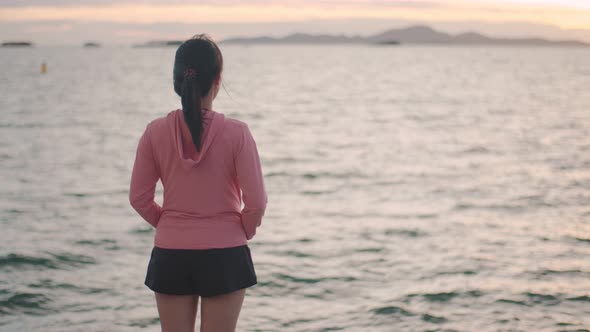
{"x":202,"y":201}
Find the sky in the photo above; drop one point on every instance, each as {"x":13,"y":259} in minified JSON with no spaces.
{"x":124,"y":22}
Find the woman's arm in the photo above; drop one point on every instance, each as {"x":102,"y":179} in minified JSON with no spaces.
{"x":143,"y":181}
{"x":251,"y":181}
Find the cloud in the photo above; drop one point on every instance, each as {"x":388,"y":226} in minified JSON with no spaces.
{"x":51,"y":27}
{"x":226,"y":11}
{"x":224,"y":15}
{"x":79,"y":3}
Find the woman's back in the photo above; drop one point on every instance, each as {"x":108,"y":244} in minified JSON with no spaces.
{"x":202,"y":201}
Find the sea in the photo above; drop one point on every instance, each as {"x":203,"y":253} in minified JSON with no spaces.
{"x":410,"y":188}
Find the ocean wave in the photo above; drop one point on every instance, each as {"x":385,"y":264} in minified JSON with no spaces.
{"x":55,"y":261}
{"x":26,"y":303}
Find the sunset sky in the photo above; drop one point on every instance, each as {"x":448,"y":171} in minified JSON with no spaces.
{"x":69,"y":21}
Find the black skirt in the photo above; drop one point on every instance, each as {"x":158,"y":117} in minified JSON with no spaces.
{"x":204,"y":272}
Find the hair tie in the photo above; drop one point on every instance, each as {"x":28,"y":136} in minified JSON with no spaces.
{"x":190,"y":73}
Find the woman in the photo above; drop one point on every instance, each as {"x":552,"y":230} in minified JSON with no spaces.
{"x":208,"y":163}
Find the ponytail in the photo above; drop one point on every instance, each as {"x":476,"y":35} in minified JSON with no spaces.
{"x":197,"y":64}
{"x":191,"y":107}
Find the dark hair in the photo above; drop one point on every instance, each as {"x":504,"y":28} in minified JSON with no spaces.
{"x":201,"y":55}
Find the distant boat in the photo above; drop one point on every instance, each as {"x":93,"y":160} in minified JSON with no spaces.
{"x":91,"y":44}
{"x":17,"y":44}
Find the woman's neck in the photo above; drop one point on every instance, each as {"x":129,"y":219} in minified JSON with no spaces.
{"x":206,"y":103}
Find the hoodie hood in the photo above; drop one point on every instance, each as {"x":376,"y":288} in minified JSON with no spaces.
{"x":213,"y":123}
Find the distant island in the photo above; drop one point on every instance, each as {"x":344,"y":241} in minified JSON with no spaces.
{"x":410,"y":35}
{"x":160,"y":43}
{"x":17,"y":44}
{"x":91,"y":44}
{"x":301,"y":38}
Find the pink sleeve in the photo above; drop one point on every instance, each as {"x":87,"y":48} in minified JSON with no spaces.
{"x":143,"y":181}
{"x":251,"y":181}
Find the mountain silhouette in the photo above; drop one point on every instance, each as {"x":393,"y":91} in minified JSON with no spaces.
{"x":419,"y":34}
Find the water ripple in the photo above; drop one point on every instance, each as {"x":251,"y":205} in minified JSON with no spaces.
{"x":26,"y":303}
{"x":52,"y":285}
{"x":392,"y":310}
{"x":56,"y":261}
